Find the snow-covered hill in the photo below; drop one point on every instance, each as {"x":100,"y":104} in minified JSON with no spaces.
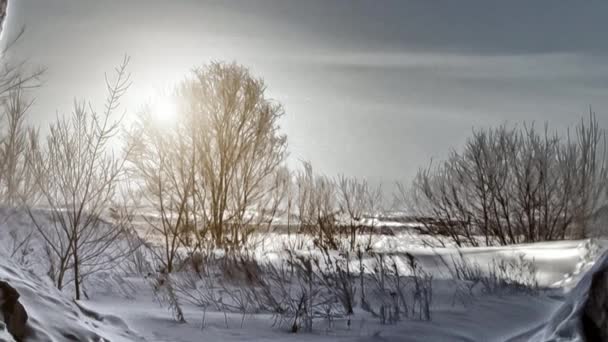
{"x":53,"y":317}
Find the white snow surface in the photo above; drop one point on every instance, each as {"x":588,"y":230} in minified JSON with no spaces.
{"x":508,"y":317}
{"x":125,"y":310}
{"x":565,"y":324}
{"x":54,"y":317}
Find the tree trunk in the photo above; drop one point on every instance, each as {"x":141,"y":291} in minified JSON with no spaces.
{"x":76,"y":269}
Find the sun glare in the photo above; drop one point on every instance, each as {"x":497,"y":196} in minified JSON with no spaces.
{"x":164,"y":110}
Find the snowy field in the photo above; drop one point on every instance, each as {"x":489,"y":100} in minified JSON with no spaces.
{"x":121,"y":305}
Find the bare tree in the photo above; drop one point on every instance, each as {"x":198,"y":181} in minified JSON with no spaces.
{"x":238,"y":144}
{"x":352,"y":195}
{"x":163,"y":162}
{"x":275,"y":202}
{"x":357,"y":199}
{"x":316,"y":207}
{"x":17,"y":146}
{"x":14,"y":73}
{"x":513,"y":185}
{"x":18,"y":140}
{"x":81,"y":176}
{"x":217,"y":168}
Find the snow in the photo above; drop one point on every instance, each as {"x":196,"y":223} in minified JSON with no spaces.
{"x":487,"y":318}
{"x":122,"y":307}
{"x":482,"y":322}
{"x":53,"y":317}
{"x":564,"y":324}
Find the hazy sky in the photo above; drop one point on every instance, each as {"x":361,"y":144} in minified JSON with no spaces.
{"x":371,"y":88}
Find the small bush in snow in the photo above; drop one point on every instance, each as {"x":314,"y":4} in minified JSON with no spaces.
{"x":396,"y":294}
{"x":515,"y":276}
{"x":500,"y":277}
{"x":165,"y":295}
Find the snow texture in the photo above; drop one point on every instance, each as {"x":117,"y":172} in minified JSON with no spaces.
{"x":121,"y":306}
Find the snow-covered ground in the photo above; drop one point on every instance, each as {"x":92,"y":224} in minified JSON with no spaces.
{"x":490,"y":319}
{"x":54,"y":317}
{"x":125,"y":309}
{"x":487,"y":318}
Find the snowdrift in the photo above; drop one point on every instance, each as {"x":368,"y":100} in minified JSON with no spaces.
{"x":52,"y":317}
{"x":565,"y":323}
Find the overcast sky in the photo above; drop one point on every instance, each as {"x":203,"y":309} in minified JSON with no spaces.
{"x":371,"y":88}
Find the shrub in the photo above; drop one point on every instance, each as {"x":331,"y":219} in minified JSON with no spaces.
{"x":515,"y":185}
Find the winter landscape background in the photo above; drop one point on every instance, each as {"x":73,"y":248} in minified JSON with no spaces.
{"x":280,"y":170}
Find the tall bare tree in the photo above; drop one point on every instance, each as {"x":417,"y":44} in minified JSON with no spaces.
{"x":78,"y":174}
{"x":18,"y":139}
{"x":17,"y":145}
{"x":238,"y":144}
{"x":163,"y":162}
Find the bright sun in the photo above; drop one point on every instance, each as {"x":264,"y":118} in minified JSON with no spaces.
{"x":164,"y":109}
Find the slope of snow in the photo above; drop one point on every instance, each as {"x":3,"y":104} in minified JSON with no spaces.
{"x":565,"y":323}
{"x":53,"y":317}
